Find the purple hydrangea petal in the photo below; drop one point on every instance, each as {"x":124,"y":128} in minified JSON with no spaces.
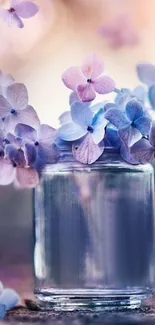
{"x":152,"y":134}
{"x":129,"y":135}
{"x":112,"y":137}
{"x":151,"y":96}
{"x":11,"y":18}
{"x":71,"y":132}
{"x":4,"y":107}
{"x":31,"y":153}
{"x":73,"y":77}
{"x":15,"y":155}
{"x":7,"y":172}
{"x":73,"y":98}
{"x":104,"y":85}
{"x":86,"y":92}
{"x":10,"y":122}
{"x":81,"y":114}
{"x":142,"y":151}
{"x":26,"y":9}
{"x":27,"y":177}
{"x":125,"y":153}
{"x":46,"y":134}
{"x":29,"y":116}
{"x":26,"y":132}
{"x":146,"y":73}
{"x":87,"y":152}
{"x":134,"y":110}
{"x":17,"y":96}
{"x":9,"y":298}
{"x":48,"y":153}
{"x":92,"y":66}
{"x":116,"y":117}
{"x":109,"y":105}
{"x":65,"y":118}
{"x":143,"y":124}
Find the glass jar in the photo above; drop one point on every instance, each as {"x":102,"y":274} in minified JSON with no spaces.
{"x":94,"y":234}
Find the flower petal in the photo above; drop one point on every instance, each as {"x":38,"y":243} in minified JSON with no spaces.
{"x":116,"y":117}
{"x":26,"y":9}
{"x":6,"y":80}
{"x":31,"y":154}
{"x":112,"y":137}
{"x":26,"y":132}
{"x":29,"y":116}
{"x":9,"y":298}
{"x":98,"y":134}
{"x":11,"y":19}
{"x":99,"y":124}
{"x":48,"y":153}
{"x":104,"y":85}
{"x":129,"y":135}
{"x":152,"y":134}
{"x":139,"y":93}
{"x":86,"y":92}
{"x":73,"y":97}
{"x":2,"y":311}
{"x":151,"y":96}
{"x":27,"y":177}
{"x":143,"y":124}
{"x":134,"y":110}
{"x":95,"y":108}
{"x":46,"y":134}
{"x":7,"y":172}
{"x":17,"y":96}
{"x":146,"y":73}
{"x":81,"y":114}
{"x":71,"y":132}
{"x":87,"y":151}
{"x":73,"y":77}
{"x":92,"y":66}
{"x":4,"y":107}
{"x":10,"y":122}
{"x":65,"y":118}
{"x":15,"y":155}
{"x":142,"y":151}
{"x":125,"y":153}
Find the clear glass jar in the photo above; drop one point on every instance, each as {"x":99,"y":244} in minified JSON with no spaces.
{"x":94,"y":234}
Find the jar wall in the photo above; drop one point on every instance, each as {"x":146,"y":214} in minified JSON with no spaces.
{"x":94,"y":230}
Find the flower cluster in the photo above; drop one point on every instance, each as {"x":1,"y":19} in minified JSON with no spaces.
{"x":26,"y":146}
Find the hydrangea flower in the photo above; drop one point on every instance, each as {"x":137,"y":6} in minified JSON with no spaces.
{"x":144,"y":150}
{"x":8,"y":300}
{"x":120,"y":32}
{"x":124,"y":95}
{"x":18,"y":9}
{"x":14,"y":108}
{"x":39,"y":143}
{"x":131,"y":125}
{"x":87,"y":80}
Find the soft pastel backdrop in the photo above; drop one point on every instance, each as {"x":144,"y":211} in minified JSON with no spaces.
{"x":61,"y":34}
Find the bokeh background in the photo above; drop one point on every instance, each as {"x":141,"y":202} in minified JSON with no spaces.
{"x":60,"y":35}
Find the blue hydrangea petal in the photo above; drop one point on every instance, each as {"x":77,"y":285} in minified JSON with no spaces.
{"x":81,"y":114}
{"x":26,"y":132}
{"x":116,"y":117}
{"x":2,"y":311}
{"x":151,"y":96}
{"x":129,"y":135}
{"x":9,"y":298}
{"x":152,"y":134}
{"x":143,"y":124}
{"x":146,"y":73}
{"x":125,"y":153}
{"x":71,"y":132}
{"x":95,"y":108}
{"x":112,"y":137}
{"x":122,"y":97}
{"x":62,"y":145}
{"x":139,"y":93}
{"x":134,"y":110}
{"x":31,"y":153}
{"x":74,"y":98}
{"x":109,"y":105}
{"x":99,"y":119}
{"x":65,"y":118}
{"x":142,"y":151}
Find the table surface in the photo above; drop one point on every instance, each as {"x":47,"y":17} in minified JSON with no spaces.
{"x":30,"y":315}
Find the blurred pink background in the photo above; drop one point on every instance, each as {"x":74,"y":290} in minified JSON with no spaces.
{"x":61,"y":35}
